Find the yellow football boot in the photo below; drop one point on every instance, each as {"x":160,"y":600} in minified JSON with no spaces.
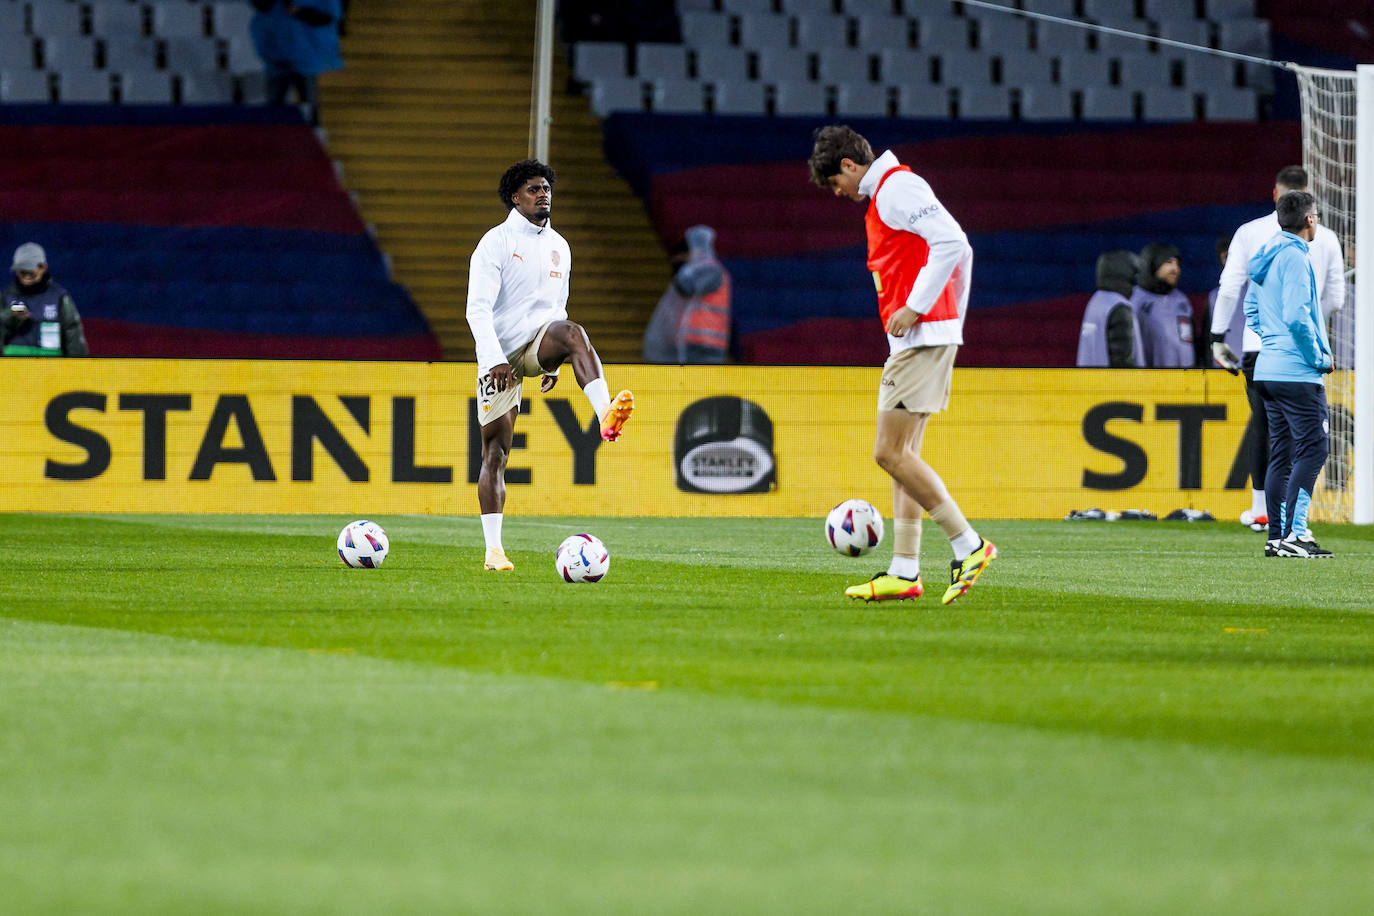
{"x":884,"y":587}
{"x":497,"y":560}
{"x":617,"y":415}
{"x":962,"y":575}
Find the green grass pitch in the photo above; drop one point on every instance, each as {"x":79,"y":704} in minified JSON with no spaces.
{"x":212,"y":715}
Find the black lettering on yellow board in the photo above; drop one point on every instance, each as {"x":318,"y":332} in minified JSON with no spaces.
{"x":1134,"y":464}
{"x":584,"y":442}
{"x":403,"y":466}
{"x":213,"y":451}
{"x":154,"y":407}
{"x":1190,"y":418}
{"x":57,"y":418}
{"x":310,"y":425}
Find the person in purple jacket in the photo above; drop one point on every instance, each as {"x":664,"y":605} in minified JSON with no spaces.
{"x":1110,"y":334}
{"x":1165,"y":314}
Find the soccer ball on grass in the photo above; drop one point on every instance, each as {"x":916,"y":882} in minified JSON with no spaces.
{"x":581,"y":558}
{"x":854,"y":527}
{"x":363,"y":545}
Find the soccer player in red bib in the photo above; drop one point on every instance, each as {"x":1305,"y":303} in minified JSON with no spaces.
{"x":921,"y":263}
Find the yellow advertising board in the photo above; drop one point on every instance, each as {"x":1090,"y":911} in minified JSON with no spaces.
{"x":373,"y":438}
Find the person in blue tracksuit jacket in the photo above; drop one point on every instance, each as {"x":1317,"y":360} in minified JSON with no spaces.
{"x":1281,"y":307}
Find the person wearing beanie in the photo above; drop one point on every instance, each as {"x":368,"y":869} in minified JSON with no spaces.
{"x":1164,"y":313}
{"x":1110,"y":334}
{"x":691,"y":323}
{"x":39,"y":317}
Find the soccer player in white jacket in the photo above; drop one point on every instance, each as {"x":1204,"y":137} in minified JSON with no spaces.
{"x":517,"y":310}
{"x":1328,"y":265}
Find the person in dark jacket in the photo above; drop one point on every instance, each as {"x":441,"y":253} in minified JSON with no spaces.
{"x":1110,"y":335}
{"x":297,"y":41}
{"x":1165,"y":314}
{"x":39,"y":316}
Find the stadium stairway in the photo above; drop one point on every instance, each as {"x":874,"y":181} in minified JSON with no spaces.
{"x":433,"y":106}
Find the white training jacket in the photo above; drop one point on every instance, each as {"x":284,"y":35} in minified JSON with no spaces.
{"x":1324,"y":254}
{"x":517,"y":283}
{"x":907,"y":203}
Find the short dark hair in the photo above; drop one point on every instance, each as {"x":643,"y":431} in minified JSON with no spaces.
{"x":516,"y":176}
{"x":830,"y":145}
{"x":1294,"y":208}
{"x":1292,"y":177}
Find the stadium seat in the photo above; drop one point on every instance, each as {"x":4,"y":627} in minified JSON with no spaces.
{"x":12,"y":19}
{"x":1189,"y":31}
{"x":1244,"y":36}
{"x":695,"y":6}
{"x":617,"y":94}
{"x":876,"y":33}
{"x":78,"y":85}
{"x":765,"y":30}
{"x":677,"y":96}
{"x":133,"y":53}
{"x":721,"y":63}
{"x":803,"y":7}
{"x":1229,"y":104}
{"x":1061,"y":8}
{"x":747,"y":6}
{"x":52,"y":19}
{"x":178,"y":20}
{"x":1001,"y":33}
{"x":1141,"y":70}
{"x":206,"y":88}
{"x":230,"y":18}
{"x":799,"y":97}
{"x":25,"y":86}
{"x":656,"y":60}
{"x":1206,"y":71}
{"x":740,"y":97}
{"x":702,"y":29}
{"x":822,"y":31}
{"x":787,"y":64}
{"x":837,"y":65}
{"x":1166,"y":103}
{"x":1108,"y":103}
{"x":861,"y":100}
{"x":868,"y":7}
{"x":1109,"y":43}
{"x":62,"y":51}
{"x":1079,"y":71}
{"x":902,"y":66}
{"x":939,"y":34}
{"x":116,"y":19}
{"x":1046,"y":103}
{"x":144,"y":87}
{"x":923,"y":101}
{"x":252,"y":87}
{"x":965,"y":68}
{"x":595,"y":59}
{"x":1058,"y":40}
{"x":1108,"y":10}
{"x":189,"y":54}
{"x":1025,"y":70}
{"x":983,"y":102}
{"x":241,"y":57}
{"x":1222,"y":10}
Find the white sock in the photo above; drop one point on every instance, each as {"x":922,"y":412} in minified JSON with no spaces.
{"x":1258,"y":506}
{"x":905,"y":567}
{"x":599,"y":395}
{"x":965,"y":544}
{"x":491,"y":530}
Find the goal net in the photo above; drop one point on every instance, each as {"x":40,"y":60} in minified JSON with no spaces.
{"x":1330,"y":144}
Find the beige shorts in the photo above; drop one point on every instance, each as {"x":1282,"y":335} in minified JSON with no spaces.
{"x":917,"y":380}
{"x":491,"y":403}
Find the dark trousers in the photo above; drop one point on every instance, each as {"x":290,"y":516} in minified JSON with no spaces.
{"x":1298,"y":433}
{"x":1257,"y":430}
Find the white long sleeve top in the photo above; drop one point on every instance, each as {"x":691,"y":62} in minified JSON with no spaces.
{"x":1328,"y":264}
{"x":517,"y":283}
{"x":908,"y":203}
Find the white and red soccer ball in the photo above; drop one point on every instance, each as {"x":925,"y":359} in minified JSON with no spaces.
{"x":363,"y":545}
{"x":582,"y":558}
{"x":854,"y":527}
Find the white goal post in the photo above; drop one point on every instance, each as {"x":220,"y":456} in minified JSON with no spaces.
{"x":1338,"y":153}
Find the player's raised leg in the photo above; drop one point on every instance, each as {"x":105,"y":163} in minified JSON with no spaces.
{"x":491,"y":486}
{"x":567,"y":340}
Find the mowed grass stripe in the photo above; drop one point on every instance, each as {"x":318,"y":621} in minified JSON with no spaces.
{"x":147,"y":774}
